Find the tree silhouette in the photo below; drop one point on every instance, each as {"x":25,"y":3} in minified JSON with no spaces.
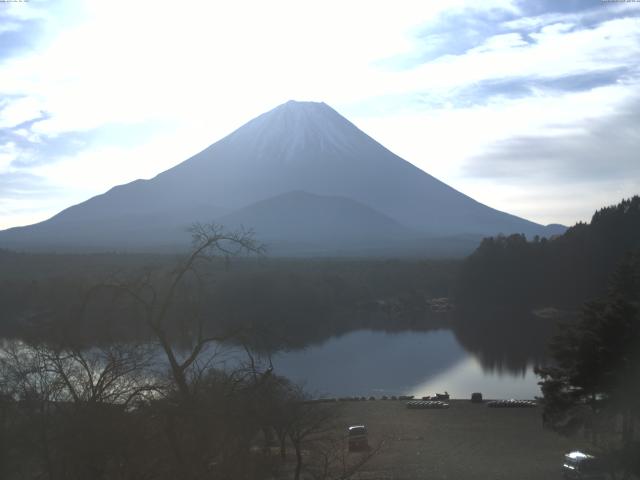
{"x":593,"y":384}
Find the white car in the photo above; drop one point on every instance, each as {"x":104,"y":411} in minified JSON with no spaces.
{"x":357,"y":436}
{"x":580,"y":465}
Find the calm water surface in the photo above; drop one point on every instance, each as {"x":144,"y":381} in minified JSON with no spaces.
{"x":366,"y":363}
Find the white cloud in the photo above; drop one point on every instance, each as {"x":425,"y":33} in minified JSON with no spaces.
{"x":200,"y":69}
{"x":16,"y":111}
{"x":23,"y":11}
{"x":8,"y":153}
{"x":446,"y":142}
{"x":9,"y":27}
{"x":442,"y":140}
{"x":580,"y":17}
{"x":501,"y":42}
{"x":202,"y":59}
{"x":613,"y":44}
{"x":93,"y":171}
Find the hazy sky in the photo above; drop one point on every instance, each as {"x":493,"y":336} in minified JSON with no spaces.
{"x":531,"y":107}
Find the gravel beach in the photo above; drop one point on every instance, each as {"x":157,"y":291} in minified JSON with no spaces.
{"x":466,"y":441}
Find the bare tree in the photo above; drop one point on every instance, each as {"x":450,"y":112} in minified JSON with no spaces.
{"x":318,"y":438}
{"x":331,"y":460}
{"x":71,"y":405}
{"x":157,"y":298}
{"x":197,"y":420}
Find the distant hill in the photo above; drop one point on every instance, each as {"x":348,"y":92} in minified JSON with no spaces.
{"x":314,"y":224}
{"x":379,"y":201}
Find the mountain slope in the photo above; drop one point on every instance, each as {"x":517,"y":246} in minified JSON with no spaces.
{"x":300,"y":222}
{"x":298,"y":146}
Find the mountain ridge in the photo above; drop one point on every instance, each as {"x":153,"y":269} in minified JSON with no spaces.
{"x":297,"y":146}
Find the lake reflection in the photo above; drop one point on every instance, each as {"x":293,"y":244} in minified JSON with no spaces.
{"x":366,"y":363}
{"x":376,"y":363}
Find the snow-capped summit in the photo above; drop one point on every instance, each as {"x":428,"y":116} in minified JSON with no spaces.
{"x":296,"y":127}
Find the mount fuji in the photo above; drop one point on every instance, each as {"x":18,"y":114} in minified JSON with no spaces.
{"x":307,"y":180}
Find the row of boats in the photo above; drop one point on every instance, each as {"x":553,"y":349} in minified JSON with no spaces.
{"x":438,"y":404}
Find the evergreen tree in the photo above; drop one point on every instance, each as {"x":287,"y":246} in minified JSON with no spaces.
{"x":593,"y":384}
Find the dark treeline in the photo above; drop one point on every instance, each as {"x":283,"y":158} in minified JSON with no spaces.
{"x":563,"y":271}
{"x":591,"y":384}
{"x":512,"y":293}
{"x":284,"y":303}
{"x":296,"y":303}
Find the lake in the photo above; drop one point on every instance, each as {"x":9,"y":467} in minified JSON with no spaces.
{"x":376,"y":363}
{"x":366,"y":363}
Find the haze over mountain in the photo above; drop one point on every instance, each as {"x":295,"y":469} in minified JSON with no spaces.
{"x":305,"y":178}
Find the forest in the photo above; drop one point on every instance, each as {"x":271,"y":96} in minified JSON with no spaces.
{"x":291,"y":302}
{"x":563,"y":271}
{"x":512,"y":293}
